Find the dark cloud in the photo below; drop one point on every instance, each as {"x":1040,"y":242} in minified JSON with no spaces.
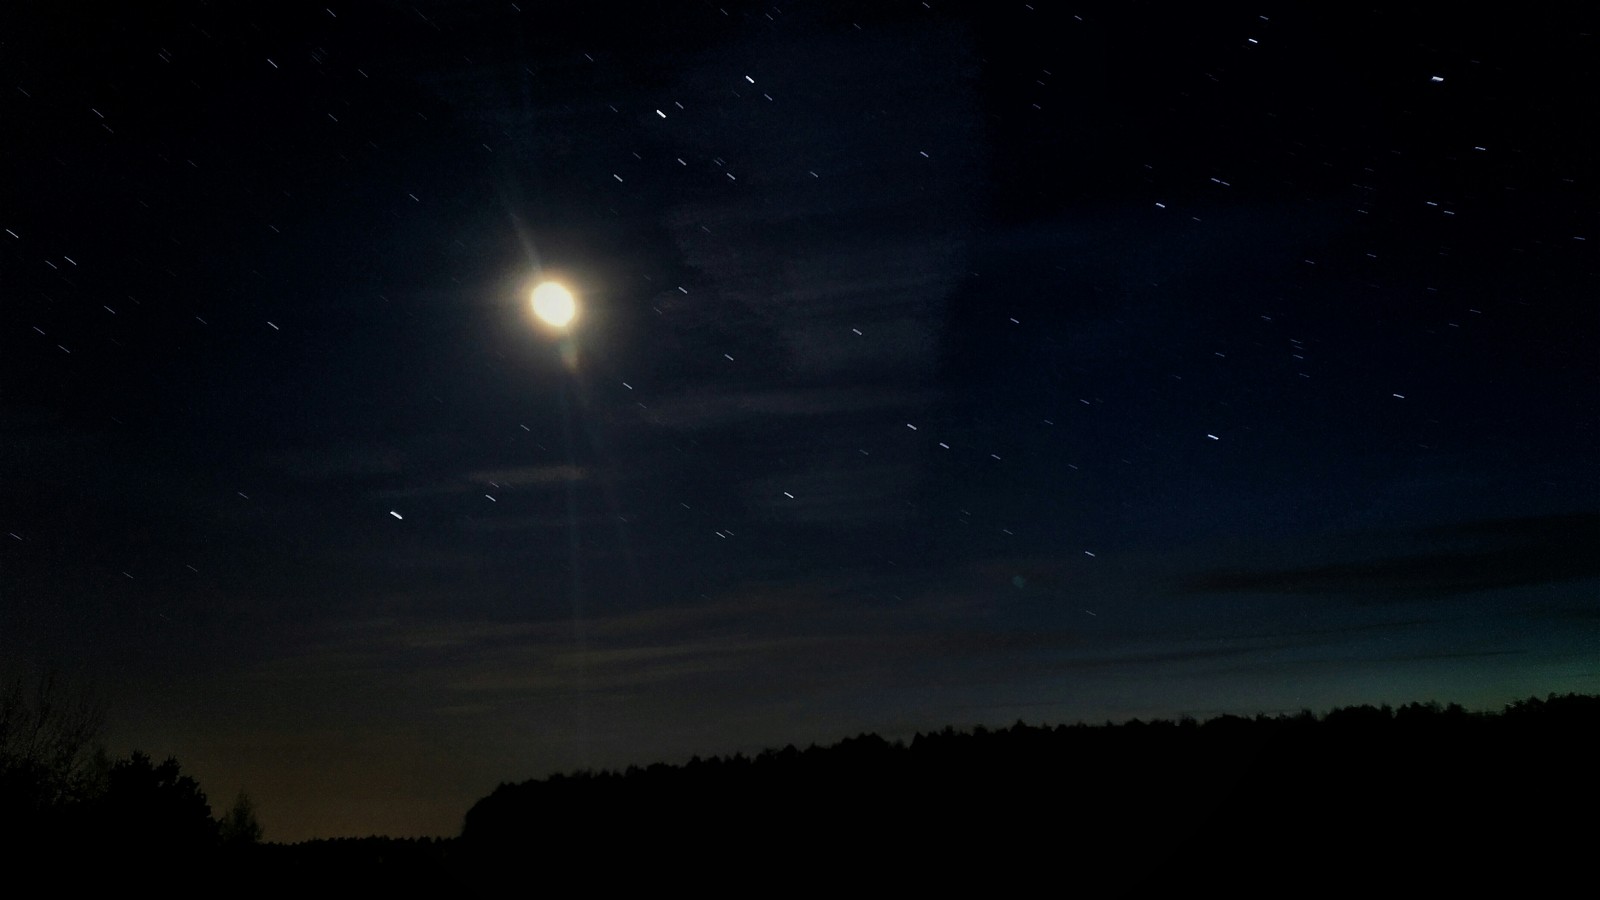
{"x":1503,"y":553}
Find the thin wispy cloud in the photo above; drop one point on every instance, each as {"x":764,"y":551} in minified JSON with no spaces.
{"x":1503,"y":553}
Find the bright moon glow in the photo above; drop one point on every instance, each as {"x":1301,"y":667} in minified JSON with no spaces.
{"x":554,"y":304}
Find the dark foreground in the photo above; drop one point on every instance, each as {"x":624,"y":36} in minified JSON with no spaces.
{"x":1419,"y":801}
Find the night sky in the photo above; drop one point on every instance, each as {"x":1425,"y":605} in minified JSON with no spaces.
{"x":936,"y":363}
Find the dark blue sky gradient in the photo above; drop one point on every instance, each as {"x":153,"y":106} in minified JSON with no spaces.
{"x":942,"y":365}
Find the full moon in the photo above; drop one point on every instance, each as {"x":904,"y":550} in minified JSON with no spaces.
{"x":554,"y":304}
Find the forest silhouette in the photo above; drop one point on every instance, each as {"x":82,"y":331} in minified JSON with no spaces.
{"x":1419,"y":799}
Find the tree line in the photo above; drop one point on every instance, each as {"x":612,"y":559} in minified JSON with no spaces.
{"x":60,"y":789}
{"x":1419,"y":798}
